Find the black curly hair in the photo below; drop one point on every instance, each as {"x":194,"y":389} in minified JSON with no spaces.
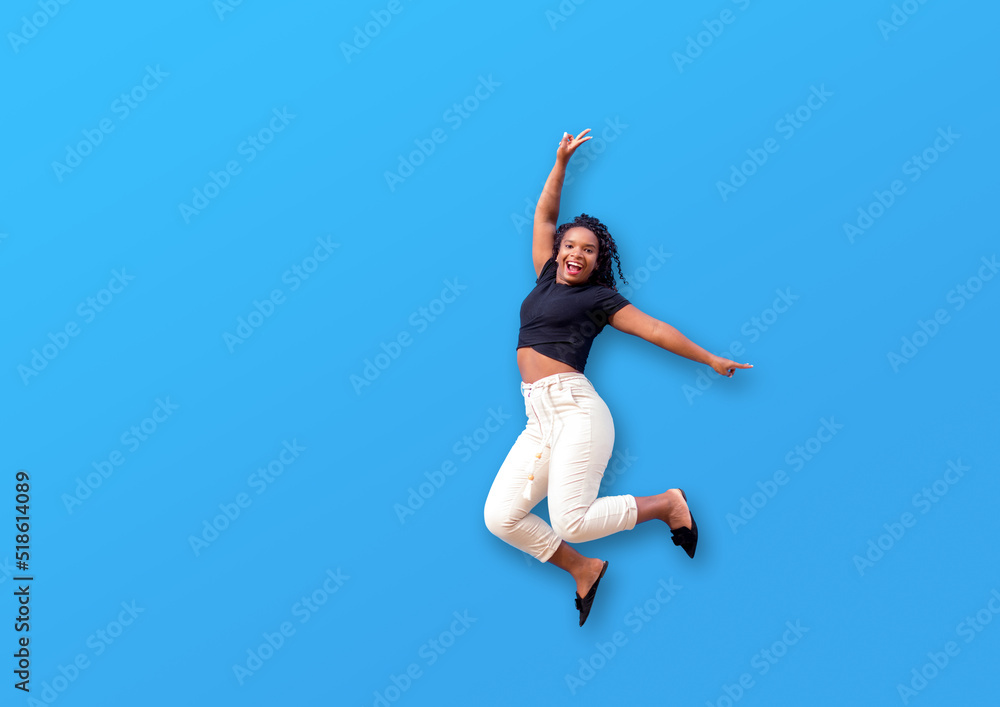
{"x":606,"y":250}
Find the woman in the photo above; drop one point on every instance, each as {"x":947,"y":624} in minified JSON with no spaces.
{"x":563,"y":451}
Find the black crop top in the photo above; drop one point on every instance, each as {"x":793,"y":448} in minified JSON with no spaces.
{"x":561,"y":321}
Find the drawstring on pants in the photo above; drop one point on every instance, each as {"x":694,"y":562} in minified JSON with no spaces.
{"x":546,"y":440}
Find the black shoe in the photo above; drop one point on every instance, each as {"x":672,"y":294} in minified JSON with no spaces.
{"x":686,"y":537}
{"x":584,"y":604}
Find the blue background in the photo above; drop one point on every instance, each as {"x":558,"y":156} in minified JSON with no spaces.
{"x":349,"y":505}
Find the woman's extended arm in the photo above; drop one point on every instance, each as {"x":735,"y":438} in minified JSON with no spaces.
{"x":547,"y":209}
{"x":631,"y":320}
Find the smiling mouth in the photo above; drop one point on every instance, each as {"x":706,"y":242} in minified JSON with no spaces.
{"x":573,"y":268}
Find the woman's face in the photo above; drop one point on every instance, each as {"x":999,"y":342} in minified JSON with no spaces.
{"x":577,"y":256}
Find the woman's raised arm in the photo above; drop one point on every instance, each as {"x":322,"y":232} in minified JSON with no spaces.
{"x":547,"y":210}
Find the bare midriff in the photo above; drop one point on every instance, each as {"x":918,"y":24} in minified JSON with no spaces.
{"x":535,"y":366}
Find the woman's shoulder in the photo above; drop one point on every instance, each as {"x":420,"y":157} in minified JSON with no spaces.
{"x":548,"y":271}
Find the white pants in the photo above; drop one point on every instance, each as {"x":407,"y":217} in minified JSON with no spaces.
{"x":565,"y":446}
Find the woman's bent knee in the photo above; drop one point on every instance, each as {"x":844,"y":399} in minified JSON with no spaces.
{"x":570,"y":528}
{"x":497,"y":520}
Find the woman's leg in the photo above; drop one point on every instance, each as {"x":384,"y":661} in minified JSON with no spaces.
{"x":579,"y":458}
{"x":508,"y":516}
{"x":583,"y":440}
{"x":669,"y":506}
{"x":507,"y":512}
{"x":585,"y":570}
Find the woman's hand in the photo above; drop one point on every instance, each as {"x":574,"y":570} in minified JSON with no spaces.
{"x":725,"y":367}
{"x":568,"y":145}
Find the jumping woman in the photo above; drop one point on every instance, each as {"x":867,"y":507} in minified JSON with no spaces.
{"x":566,"y":445}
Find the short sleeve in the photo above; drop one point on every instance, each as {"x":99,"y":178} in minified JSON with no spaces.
{"x":548,"y":271}
{"x":610,"y":301}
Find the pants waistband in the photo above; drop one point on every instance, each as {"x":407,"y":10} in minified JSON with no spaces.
{"x":556,"y":380}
